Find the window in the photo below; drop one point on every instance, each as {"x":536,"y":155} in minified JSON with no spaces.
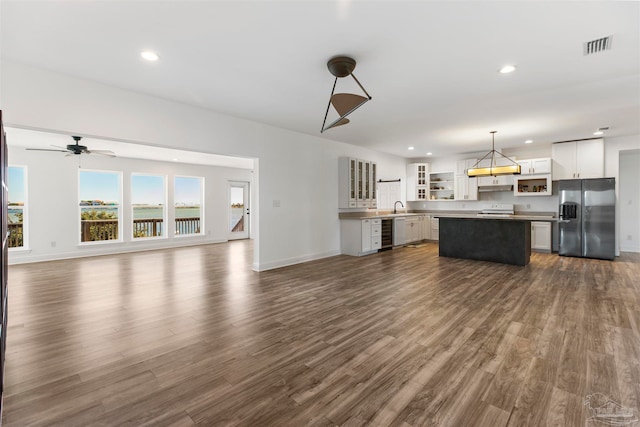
{"x":148,"y":201}
{"x":17,"y":209}
{"x":99,"y":206}
{"x":188,"y":205}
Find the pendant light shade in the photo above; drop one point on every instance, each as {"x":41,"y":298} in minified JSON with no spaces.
{"x":343,"y":103}
{"x":493,"y":169}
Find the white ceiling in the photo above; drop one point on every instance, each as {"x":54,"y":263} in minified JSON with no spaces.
{"x":430,"y":66}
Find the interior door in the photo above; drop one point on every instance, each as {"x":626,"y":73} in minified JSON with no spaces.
{"x":238,"y":210}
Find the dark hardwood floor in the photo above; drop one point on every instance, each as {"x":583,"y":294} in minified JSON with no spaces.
{"x":402,"y":338}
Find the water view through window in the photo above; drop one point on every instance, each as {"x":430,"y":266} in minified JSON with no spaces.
{"x":99,"y":194}
{"x":17,"y":213}
{"x":148,"y":200}
{"x":188,"y":205}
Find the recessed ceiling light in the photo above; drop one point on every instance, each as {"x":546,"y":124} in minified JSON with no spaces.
{"x":598,"y":133}
{"x":149,"y":55}
{"x":507,"y":69}
{"x":429,"y":153}
{"x":528,"y":141}
{"x":175,"y":160}
{"x":411,"y":148}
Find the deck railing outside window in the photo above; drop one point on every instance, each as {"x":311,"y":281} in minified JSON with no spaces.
{"x":15,"y":235}
{"x":98,"y":230}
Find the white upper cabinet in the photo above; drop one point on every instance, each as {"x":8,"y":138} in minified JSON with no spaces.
{"x":465,"y":188}
{"x":500,"y":180}
{"x":578,"y":159}
{"x":357,"y":181}
{"x":463,"y":165}
{"x":535,"y":166}
{"x":417,"y":181}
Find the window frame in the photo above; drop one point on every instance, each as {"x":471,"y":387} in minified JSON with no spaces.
{"x":165,"y":210}
{"x":119,"y":207}
{"x":202,"y":202}
{"x":25,"y":209}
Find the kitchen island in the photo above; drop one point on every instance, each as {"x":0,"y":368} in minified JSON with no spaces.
{"x":506,"y":240}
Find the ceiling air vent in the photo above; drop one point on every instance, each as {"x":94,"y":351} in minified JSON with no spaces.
{"x":598,"y":45}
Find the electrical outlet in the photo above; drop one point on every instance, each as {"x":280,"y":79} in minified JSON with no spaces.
{"x":53,"y":243}
{"x":528,"y":206}
{"x":463,"y":205}
{"x":629,"y":237}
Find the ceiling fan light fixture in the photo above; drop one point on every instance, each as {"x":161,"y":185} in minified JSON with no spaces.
{"x":343,"y":103}
{"x":493,"y":169}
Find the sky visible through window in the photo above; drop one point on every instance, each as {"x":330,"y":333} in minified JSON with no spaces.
{"x":103,"y":186}
{"x":147,"y":190}
{"x":16,"y":184}
{"x":187,"y":191}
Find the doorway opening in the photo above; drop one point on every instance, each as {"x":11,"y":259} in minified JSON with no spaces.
{"x":238,"y":210}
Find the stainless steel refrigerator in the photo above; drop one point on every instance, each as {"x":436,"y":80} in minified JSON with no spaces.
{"x":587,"y":218}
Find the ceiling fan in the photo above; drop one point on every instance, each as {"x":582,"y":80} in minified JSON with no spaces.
{"x":76,"y":149}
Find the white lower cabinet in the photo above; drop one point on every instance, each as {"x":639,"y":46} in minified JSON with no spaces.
{"x":426,"y":227}
{"x":413,"y":229}
{"x":360,"y":236}
{"x":541,"y":236}
{"x":435,"y":228}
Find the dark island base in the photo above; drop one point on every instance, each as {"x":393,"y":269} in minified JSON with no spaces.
{"x":497,"y":240}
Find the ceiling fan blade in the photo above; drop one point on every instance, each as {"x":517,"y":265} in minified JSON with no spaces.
{"x":46,"y":149}
{"x":101,"y":152}
{"x":344,"y":103}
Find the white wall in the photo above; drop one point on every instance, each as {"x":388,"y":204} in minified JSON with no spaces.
{"x":612,"y":149}
{"x":53,"y":203}
{"x":299,"y":170}
{"x":629,"y":201}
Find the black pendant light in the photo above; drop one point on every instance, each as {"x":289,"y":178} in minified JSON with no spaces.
{"x":493,"y":169}
{"x":344,"y":103}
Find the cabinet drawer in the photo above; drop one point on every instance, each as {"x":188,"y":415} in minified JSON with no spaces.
{"x":376,"y":242}
{"x":376,"y":230}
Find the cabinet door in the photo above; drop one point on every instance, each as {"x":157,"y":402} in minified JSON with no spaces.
{"x":484,"y":181}
{"x":435,"y":228}
{"x":426,"y":227}
{"x":525,"y":167}
{"x":366,"y":235}
{"x":374,"y":183}
{"x":590,"y":159}
{"x":541,"y":236}
{"x":362,"y":183}
{"x":564,"y":160}
{"x":461,"y":186}
{"x":540,"y":166}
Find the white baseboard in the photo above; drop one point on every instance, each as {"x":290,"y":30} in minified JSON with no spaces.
{"x":291,"y":261}
{"x":117,"y":248}
{"x":629,"y":248}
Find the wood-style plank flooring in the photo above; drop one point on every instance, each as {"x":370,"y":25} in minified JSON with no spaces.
{"x":192,"y":336}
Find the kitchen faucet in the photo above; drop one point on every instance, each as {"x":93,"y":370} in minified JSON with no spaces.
{"x":396,"y":204}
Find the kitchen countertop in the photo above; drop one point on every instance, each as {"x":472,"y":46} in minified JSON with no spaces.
{"x":515,"y":217}
{"x":533,"y":216}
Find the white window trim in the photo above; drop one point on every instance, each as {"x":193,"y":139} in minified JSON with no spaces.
{"x":165,"y":219}
{"x":119,"y":206}
{"x":25,"y":212}
{"x":202,"y":203}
